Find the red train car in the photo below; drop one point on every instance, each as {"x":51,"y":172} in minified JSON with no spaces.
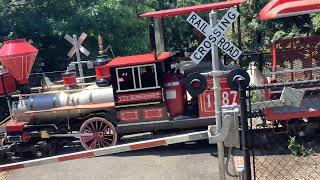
{"x":296,"y":60}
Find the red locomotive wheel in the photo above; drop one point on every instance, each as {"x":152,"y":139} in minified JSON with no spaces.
{"x":101,"y":132}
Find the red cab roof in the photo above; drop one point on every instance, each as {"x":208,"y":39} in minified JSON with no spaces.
{"x":286,"y":8}
{"x":190,"y":9}
{"x":139,"y":59}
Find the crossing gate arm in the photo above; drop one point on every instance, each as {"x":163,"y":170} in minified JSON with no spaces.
{"x":195,"y":136}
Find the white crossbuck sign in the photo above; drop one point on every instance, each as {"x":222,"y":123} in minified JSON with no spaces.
{"x":214,"y":35}
{"x":76,"y":49}
{"x":80,"y":41}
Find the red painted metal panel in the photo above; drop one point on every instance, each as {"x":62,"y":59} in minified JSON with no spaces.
{"x":272,"y":4}
{"x":18,"y":57}
{"x":286,"y":8}
{"x":139,"y":59}
{"x":187,"y":10}
{"x":7,"y":83}
{"x":13,"y":126}
{"x":206,"y":99}
{"x":153,"y":113}
{"x":293,"y":115}
{"x":129,"y":115}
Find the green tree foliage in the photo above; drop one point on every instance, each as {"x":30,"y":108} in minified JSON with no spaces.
{"x":316,"y":23}
{"x":45,"y":22}
{"x":271,"y":30}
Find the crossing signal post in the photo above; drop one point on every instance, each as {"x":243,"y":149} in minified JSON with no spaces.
{"x":215,"y":38}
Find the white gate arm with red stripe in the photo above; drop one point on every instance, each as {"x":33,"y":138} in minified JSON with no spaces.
{"x":109,"y":150}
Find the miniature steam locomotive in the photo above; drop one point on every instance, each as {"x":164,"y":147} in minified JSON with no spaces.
{"x":132,"y":94}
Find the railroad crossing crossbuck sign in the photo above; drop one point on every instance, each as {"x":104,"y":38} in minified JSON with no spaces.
{"x":76,"y":49}
{"x":81,"y":48}
{"x":214,"y":35}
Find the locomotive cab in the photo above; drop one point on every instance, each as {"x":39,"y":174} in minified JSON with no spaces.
{"x":146,"y":88}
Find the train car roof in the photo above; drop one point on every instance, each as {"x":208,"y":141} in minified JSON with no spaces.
{"x":139,"y":59}
{"x":187,"y":10}
{"x":285,"y":8}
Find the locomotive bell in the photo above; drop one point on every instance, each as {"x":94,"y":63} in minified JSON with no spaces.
{"x":195,"y":84}
{"x":102,"y":70}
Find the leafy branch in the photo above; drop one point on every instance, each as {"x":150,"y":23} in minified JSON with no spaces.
{"x":297,"y":149}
